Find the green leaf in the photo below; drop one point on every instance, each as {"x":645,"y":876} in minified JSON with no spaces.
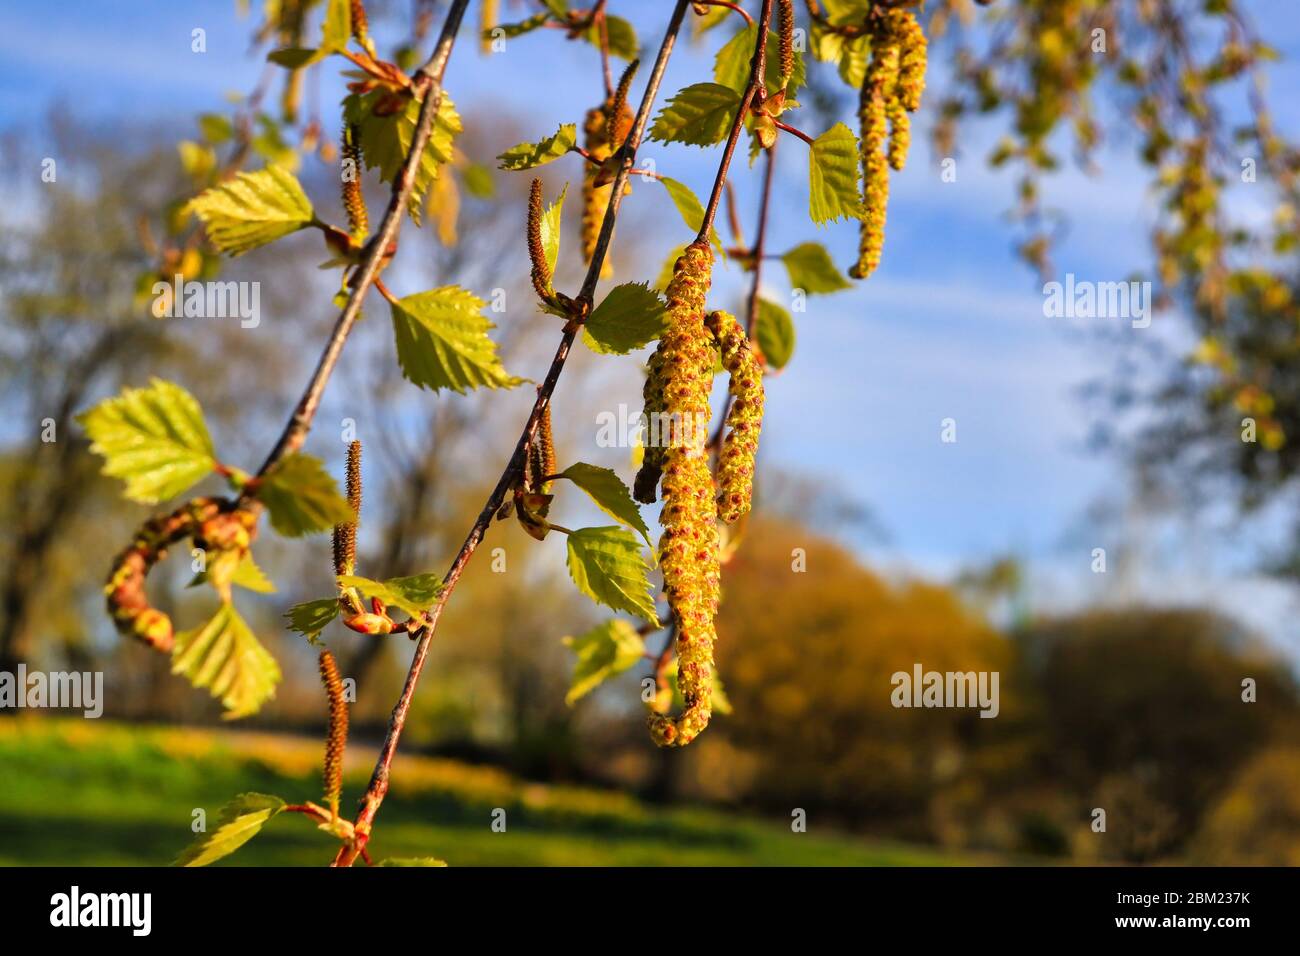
{"x":621,"y":35}
{"x":478,"y":181}
{"x":605,"y":651}
{"x":302,"y":496}
{"x":551,"y":223}
{"x":224,"y":657}
{"x":250,"y":577}
{"x":153,"y":438}
{"x":609,"y":493}
{"x":529,"y":155}
{"x":337,"y":28}
{"x":774,"y":333}
{"x":607,"y":565}
{"x":690,"y":208}
{"x":252,"y":209}
{"x":215,"y":127}
{"x":238,"y":822}
{"x":833,"y":176}
{"x":559,"y":9}
{"x":731,"y":68}
{"x":386,"y":139}
{"x":246,"y":574}
{"x":442,"y":341}
{"x":197,"y":159}
{"x":811,"y":269}
{"x":626,"y":319}
{"x":295,"y":58}
{"x":311,"y":617}
{"x":700,"y":115}
{"x":414,"y":594}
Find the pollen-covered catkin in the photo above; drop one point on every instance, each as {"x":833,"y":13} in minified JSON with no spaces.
{"x":785,"y":25}
{"x":354,"y":202}
{"x":345,"y":535}
{"x":688,"y":547}
{"x":744,"y":420}
{"x":128,"y":604}
{"x":891,"y":89}
{"x":873,"y":107}
{"x":336,"y":738}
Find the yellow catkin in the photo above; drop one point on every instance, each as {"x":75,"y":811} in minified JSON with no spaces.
{"x":489,"y":15}
{"x":744,"y":420}
{"x":688,"y":547}
{"x":128,"y":604}
{"x":354,"y":203}
{"x":541,"y":269}
{"x":891,"y":89}
{"x":345,"y":535}
{"x":336,"y":738}
{"x":877,"y":89}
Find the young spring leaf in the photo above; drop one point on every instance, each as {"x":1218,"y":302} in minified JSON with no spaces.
{"x":153,"y":438}
{"x":311,"y":617}
{"x":774,"y":333}
{"x":246,"y":574}
{"x":529,"y":155}
{"x":605,"y":651}
{"x":607,"y":565}
{"x":302,"y":496}
{"x":413,"y":594}
{"x":620,"y":34}
{"x":443,"y":342}
{"x":386,"y":138}
{"x":690,"y":208}
{"x":252,"y":209}
{"x":731,"y":68}
{"x":626,"y":319}
{"x":811,"y":269}
{"x":551,"y":222}
{"x":238,"y":822}
{"x":699,"y":115}
{"x":224,"y":657}
{"x":833,"y":176}
{"x":609,"y":493}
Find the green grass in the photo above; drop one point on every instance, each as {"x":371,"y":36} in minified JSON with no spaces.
{"x":82,"y":792}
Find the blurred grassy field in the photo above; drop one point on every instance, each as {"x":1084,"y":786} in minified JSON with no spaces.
{"x":85,"y":792}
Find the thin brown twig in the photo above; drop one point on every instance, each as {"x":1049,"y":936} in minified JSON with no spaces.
{"x":429,"y":80}
{"x":378,"y":786}
{"x":730,"y":6}
{"x":755,"y":89}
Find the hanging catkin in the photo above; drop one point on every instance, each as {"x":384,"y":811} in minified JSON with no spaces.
{"x":337,"y":737}
{"x":688,"y":547}
{"x":744,"y":420}
{"x":354,"y":202}
{"x":604,"y":130}
{"x":345,"y":535}
{"x":891,"y":88}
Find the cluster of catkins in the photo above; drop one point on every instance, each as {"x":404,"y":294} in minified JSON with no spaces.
{"x":678,"y":413}
{"x":216,"y":525}
{"x":891,"y":89}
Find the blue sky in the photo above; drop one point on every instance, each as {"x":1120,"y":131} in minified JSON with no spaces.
{"x":950,"y":326}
